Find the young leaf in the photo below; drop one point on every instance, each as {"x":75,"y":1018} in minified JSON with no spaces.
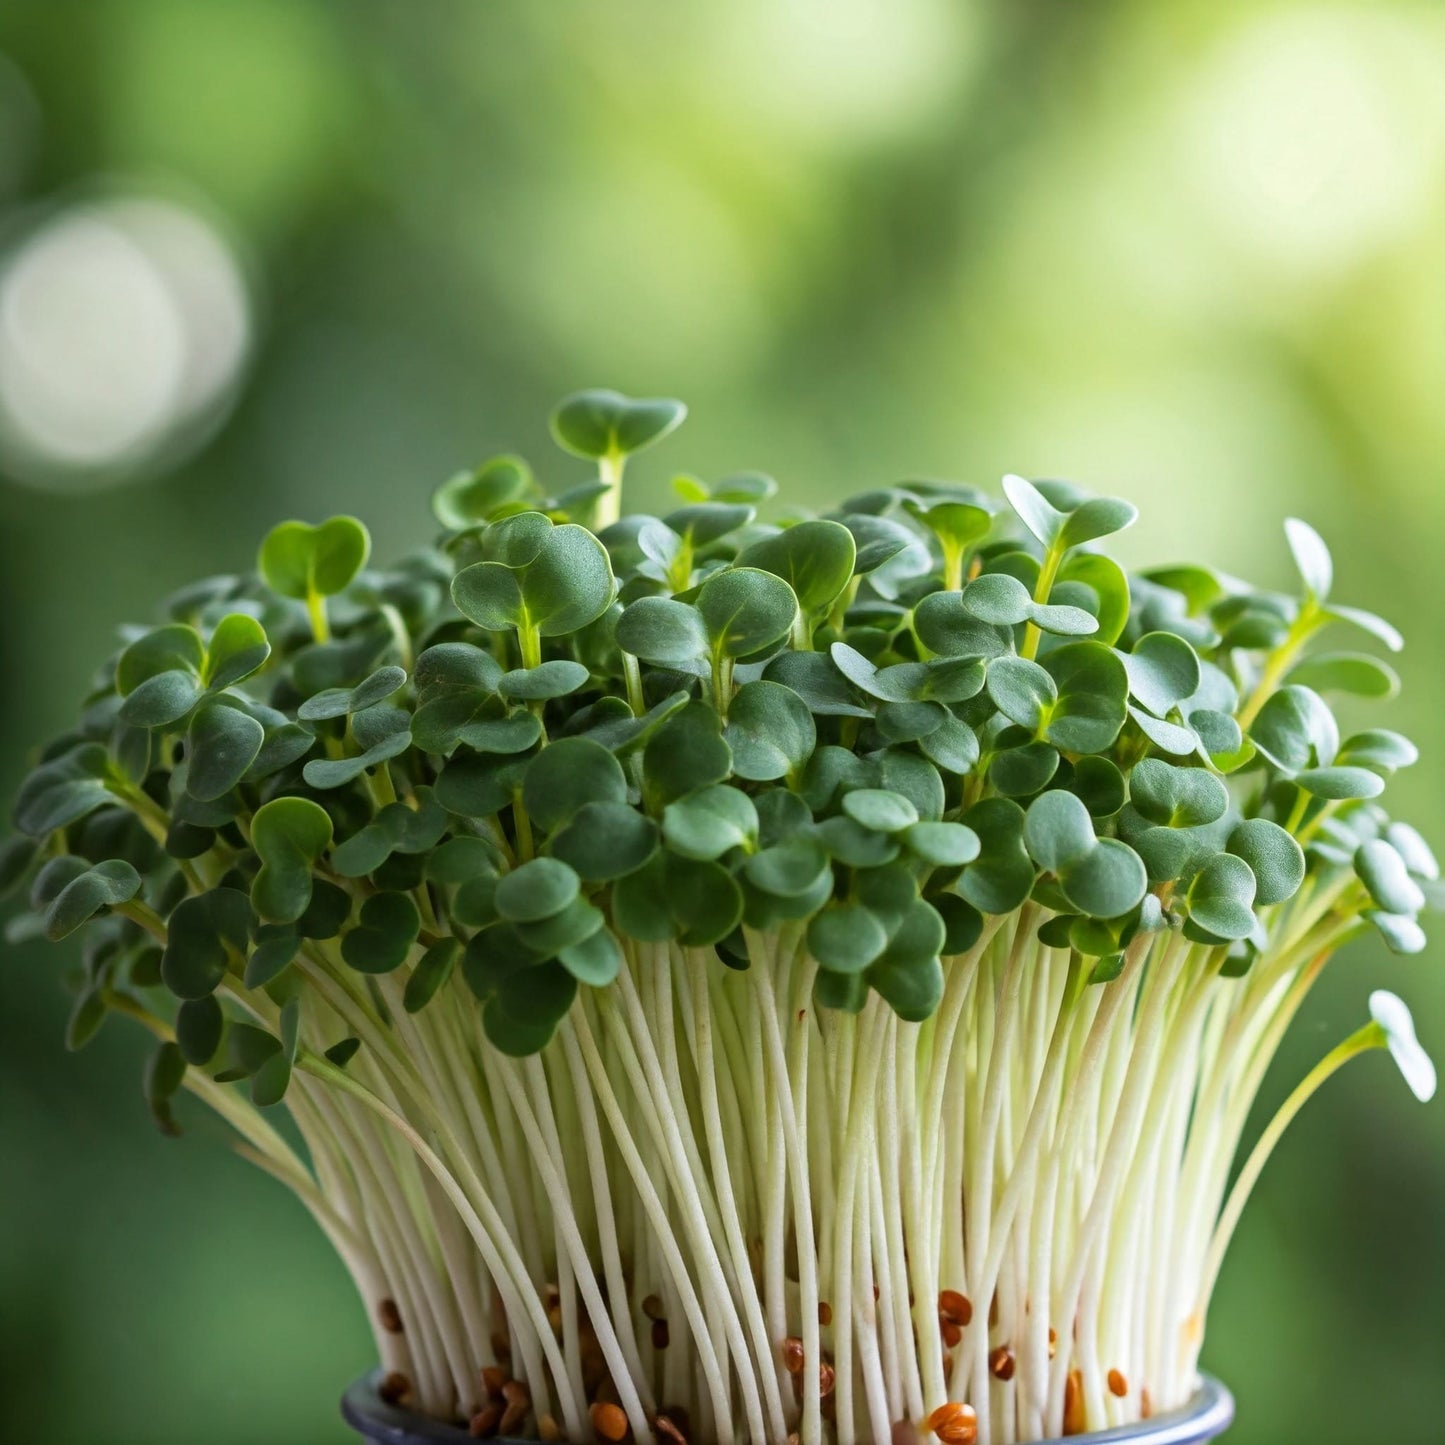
{"x":745,"y":610}
{"x":238,"y":648}
{"x":289,"y":835}
{"x":566,"y":776}
{"x":536,"y":890}
{"x":846,"y":938}
{"x":1275,"y":858}
{"x":662,"y":631}
{"x":711,"y":822}
{"x":1311,"y":557}
{"x":1222,"y":895}
{"x":815,"y":558}
{"x":206,"y":935}
{"x":102,"y":886}
{"x":1033,"y":510}
{"x":1391,"y":1016}
{"x":301,"y":561}
{"x":386,"y":929}
{"x":1163,"y":671}
{"x":221,"y":744}
{"x":603,"y":423}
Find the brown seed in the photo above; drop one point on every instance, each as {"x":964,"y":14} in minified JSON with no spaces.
{"x":827,"y":1378}
{"x":548,"y":1429}
{"x":1118,"y":1385}
{"x":665,"y":1429}
{"x":609,"y":1421}
{"x":957,"y":1309}
{"x":951,"y":1334}
{"x":652,"y":1307}
{"x":793,"y":1355}
{"x":519,"y":1401}
{"x":394,"y":1388}
{"x":493,"y":1378}
{"x":1074,"y":1422}
{"x":660,"y":1335}
{"x":1053,"y":1342}
{"x":485,"y":1422}
{"x":1146,"y":1405}
{"x":901,"y":1432}
{"x":501,"y":1347}
{"x":390,"y":1316}
{"x":993,"y":1310}
{"x":1001,"y":1363}
{"x":825,"y":1313}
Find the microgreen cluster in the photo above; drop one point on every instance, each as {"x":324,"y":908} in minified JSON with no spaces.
{"x":705,"y":956}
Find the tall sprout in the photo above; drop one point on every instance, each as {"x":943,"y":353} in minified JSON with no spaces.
{"x":731,"y":981}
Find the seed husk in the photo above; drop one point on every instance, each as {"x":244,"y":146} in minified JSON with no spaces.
{"x":493,"y":1378}
{"x":394,"y":1388}
{"x":485,"y":1423}
{"x":660,"y":1336}
{"x":389,"y":1316}
{"x":825,"y":1313}
{"x":793,"y":1355}
{"x":518,"y":1401}
{"x":665,"y":1427}
{"x":1001,"y":1363}
{"x":955,"y":1308}
{"x":1118,"y":1385}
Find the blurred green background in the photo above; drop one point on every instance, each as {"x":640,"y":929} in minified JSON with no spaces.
{"x":283,"y":257}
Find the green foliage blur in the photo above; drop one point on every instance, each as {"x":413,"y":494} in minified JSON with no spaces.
{"x":1188,"y":253}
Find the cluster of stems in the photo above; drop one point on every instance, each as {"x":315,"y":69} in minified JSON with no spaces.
{"x":709,"y":1202}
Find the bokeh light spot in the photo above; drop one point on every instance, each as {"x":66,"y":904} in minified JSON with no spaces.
{"x":124,"y":327}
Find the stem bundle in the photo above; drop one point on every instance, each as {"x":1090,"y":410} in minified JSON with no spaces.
{"x":708,"y":1200}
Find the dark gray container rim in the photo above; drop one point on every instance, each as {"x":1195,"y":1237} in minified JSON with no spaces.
{"x":1207,"y":1415}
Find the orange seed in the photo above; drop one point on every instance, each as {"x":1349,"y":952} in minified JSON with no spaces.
{"x":609,"y":1421}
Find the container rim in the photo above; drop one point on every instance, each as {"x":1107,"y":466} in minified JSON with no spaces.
{"x":1208,"y":1414}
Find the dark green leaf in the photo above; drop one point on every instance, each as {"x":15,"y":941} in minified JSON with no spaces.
{"x":103,"y":886}
{"x":221,"y":744}
{"x":288,"y":835}
{"x":386,"y":929}
{"x":206,"y":934}
{"x":815,"y":558}
{"x":536,"y":890}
